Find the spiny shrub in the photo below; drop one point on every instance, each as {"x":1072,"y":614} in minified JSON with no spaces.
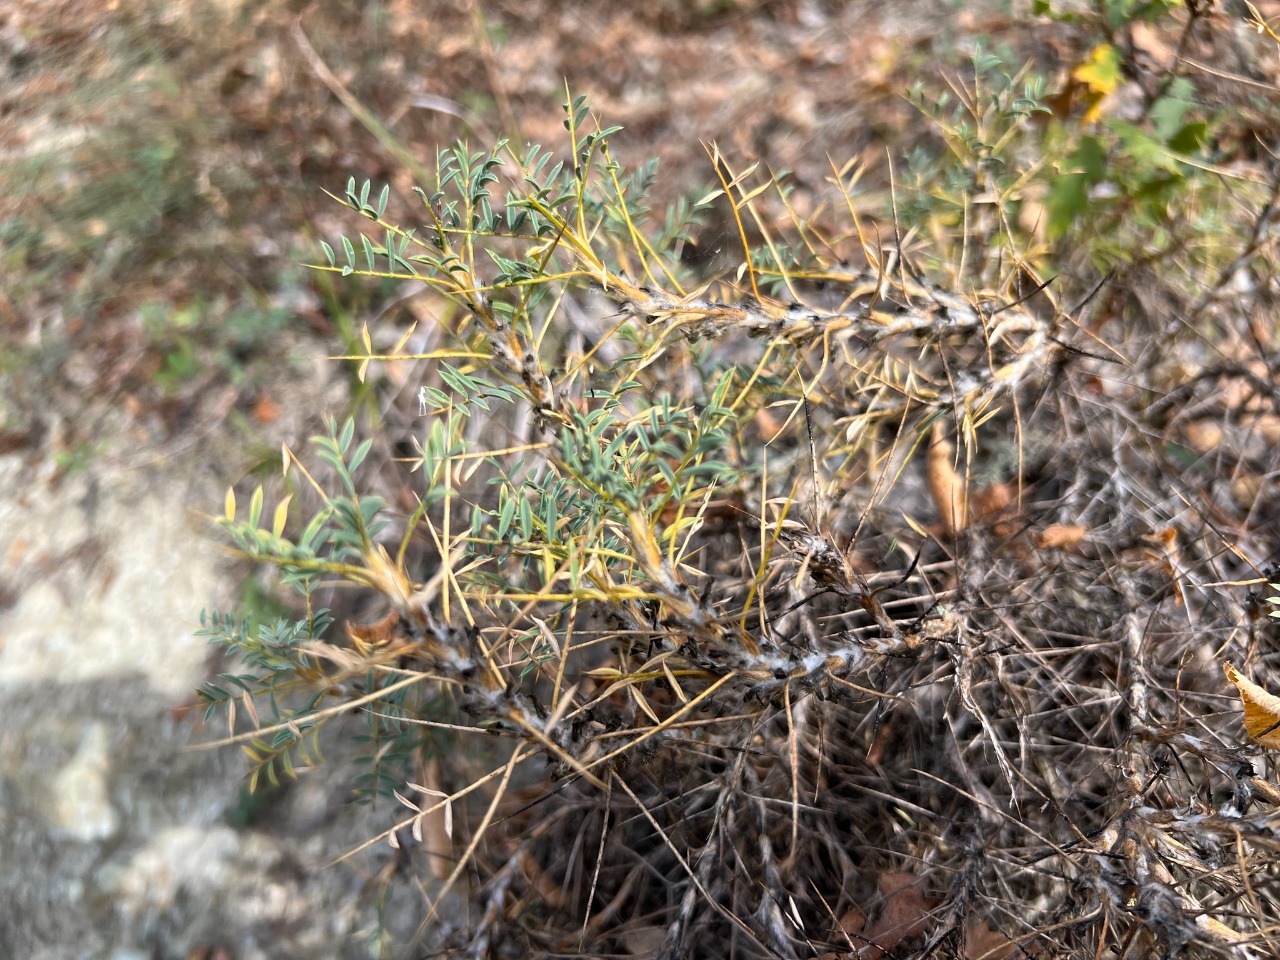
{"x":816,"y":609}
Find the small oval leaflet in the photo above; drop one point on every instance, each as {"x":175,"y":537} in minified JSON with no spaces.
{"x":1261,"y":709}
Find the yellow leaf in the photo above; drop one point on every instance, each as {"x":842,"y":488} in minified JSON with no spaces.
{"x":1101,"y":72}
{"x":916,"y":525}
{"x":282,"y":513}
{"x":1261,"y":709}
{"x":1101,"y":75}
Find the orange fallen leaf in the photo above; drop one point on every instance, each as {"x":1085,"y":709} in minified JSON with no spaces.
{"x":1261,"y":709}
{"x":1061,"y":536}
{"x":266,"y":410}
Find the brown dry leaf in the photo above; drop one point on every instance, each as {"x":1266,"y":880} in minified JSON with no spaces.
{"x":945,"y":485}
{"x":990,"y":502}
{"x":849,"y":930}
{"x":879,"y":56}
{"x":984,"y":942}
{"x":266,"y":410}
{"x":547,"y":887}
{"x":853,"y":921}
{"x":1061,"y":536}
{"x":209,"y":953}
{"x":1261,"y":709}
{"x":884,"y":737}
{"x":904,"y":915}
{"x":768,"y":425}
{"x":1063,"y":103}
{"x":367,"y":636}
{"x":397,"y":370}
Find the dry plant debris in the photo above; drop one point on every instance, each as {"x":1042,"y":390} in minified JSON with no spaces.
{"x":864,"y":707}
